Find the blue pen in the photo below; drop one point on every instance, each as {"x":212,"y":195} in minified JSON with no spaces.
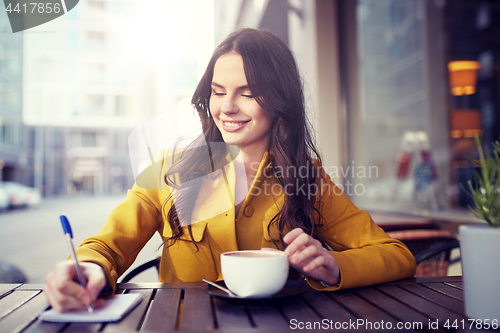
{"x":69,"y":240}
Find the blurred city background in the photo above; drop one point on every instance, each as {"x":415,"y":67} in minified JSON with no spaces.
{"x":395,"y":89}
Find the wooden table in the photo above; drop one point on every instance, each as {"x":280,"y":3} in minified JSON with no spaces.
{"x":421,"y":303}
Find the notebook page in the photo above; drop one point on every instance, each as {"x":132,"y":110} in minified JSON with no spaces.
{"x":115,"y":309}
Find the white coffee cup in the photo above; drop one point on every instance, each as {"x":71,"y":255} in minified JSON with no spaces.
{"x":254,"y":273}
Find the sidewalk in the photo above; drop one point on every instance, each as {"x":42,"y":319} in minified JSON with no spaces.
{"x":33,"y":239}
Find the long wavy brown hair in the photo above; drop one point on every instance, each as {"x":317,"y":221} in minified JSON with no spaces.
{"x":275,"y":82}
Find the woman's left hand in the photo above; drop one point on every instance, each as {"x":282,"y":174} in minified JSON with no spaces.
{"x":309,"y":257}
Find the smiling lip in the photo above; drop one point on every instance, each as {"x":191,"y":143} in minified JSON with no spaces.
{"x":233,"y":126}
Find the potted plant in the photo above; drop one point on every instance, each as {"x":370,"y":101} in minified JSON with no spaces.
{"x":480,"y":244}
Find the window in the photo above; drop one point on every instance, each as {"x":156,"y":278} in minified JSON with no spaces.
{"x":95,"y":71}
{"x":120,"y":107}
{"x":89,"y":139}
{"x":96,"y":40}
{"x":95,"y":104}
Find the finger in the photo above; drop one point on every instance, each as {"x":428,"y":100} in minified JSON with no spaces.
{"x":98,"y":303}
{"x":300,"y":256}
{"x":269,"y":249}
{"x":61,"y":302}
{"x":71,"y":304}
{"x":50,"y":298}
{"x":96,"y":280}
{"x":314,"y":264}
{"x":63,"y":285}
{"x":300,"y":241}
{"x":289,"y":237}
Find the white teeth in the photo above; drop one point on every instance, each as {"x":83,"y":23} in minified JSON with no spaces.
{"x":228,"y":124}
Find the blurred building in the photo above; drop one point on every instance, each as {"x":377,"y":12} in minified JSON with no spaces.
{"x":394,"y":108}
{"x":13,"y":158}
{"x":77,"y":106}
{"x":91,"y":77}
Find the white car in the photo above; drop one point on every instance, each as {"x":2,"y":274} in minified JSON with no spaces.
{"x":21,"y":195}
{"x":4,"y":200}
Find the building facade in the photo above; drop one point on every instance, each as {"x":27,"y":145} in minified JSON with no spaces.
{"x":13,"y":158}
{"x":91,"y":77}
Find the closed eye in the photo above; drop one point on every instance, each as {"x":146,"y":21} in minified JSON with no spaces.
{"x":218,"y":93}
{"x":248,"y":96}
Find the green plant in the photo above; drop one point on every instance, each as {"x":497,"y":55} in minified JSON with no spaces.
{"x":486,"y":194}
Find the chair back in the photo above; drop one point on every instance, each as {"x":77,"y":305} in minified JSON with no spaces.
{"x":431,"y":248}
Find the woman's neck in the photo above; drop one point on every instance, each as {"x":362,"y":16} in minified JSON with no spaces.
{"x":252,"y":159}
{"x":246,"y":166}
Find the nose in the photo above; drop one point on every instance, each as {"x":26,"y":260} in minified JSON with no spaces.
{"x":229,"y":106}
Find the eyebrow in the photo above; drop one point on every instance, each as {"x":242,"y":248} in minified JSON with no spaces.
{"x":221,"y":86}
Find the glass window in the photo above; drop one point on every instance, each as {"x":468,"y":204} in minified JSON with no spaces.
{"x":120,"y":106}
{"x":95,"y":103}
{"x":89,"y":139}
{"x":393,"y":90}
{"x":411,"y":118}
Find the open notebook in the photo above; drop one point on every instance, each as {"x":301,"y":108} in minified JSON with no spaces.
{"x":115,"y":309}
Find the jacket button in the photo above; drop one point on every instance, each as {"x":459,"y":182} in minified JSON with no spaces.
{"x":248,"y":211}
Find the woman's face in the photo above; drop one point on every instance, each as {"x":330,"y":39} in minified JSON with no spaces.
{"x":236,"y":113}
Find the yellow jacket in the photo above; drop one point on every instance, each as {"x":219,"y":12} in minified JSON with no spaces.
{"x":364,"y":252}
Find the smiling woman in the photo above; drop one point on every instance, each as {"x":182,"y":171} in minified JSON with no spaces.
{"x":238,"y":116}
{"x":251,"y":105}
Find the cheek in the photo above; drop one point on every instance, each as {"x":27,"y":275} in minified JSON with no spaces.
{"x":214,"y":109}
{"x":264,"y":118}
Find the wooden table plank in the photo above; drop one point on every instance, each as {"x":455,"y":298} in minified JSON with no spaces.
{"x":436,"y":297}
{"x":24,"y":315}
{"x":298,"y":310}
{"x":84,"y":327}
{"x":326,"y":307}
{"x":406,"y":302}
{"x":40,"y":326}
{"x":36,"y":287}
{"x":361,"y":308}
{"x":6,"y":288}
{"x":14,"y":300}
{"x":133,"y":320}
{"x":446,"y":290}
{"x":163,"y":311}
{"x":268,"y":317}
{"x":420,"y":304}
{"x":429,"y":279}
{"x":162,"y":285}
{"x":230,"y":315}
{"x":397,"y":309}
{"x":436,"y":279}
{"x":458,"y":285}
{"x":196,"y":311}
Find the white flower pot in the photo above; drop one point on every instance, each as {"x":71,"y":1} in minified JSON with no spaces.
{"x":480,"y":253}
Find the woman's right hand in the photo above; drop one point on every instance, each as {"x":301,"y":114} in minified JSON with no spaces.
{"x":64,"y":292}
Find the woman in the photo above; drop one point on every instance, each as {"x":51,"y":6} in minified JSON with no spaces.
{"x":251,"y":97}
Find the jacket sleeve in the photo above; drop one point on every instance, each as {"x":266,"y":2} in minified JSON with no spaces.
{"x":129,"y":227}
{"x":365,"y":254}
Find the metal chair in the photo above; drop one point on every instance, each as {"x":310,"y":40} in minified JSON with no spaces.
{"x":139,"y":269}
{"x":431,"y":248}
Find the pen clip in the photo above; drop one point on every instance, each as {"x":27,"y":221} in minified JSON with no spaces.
{"x":66,"y":226}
